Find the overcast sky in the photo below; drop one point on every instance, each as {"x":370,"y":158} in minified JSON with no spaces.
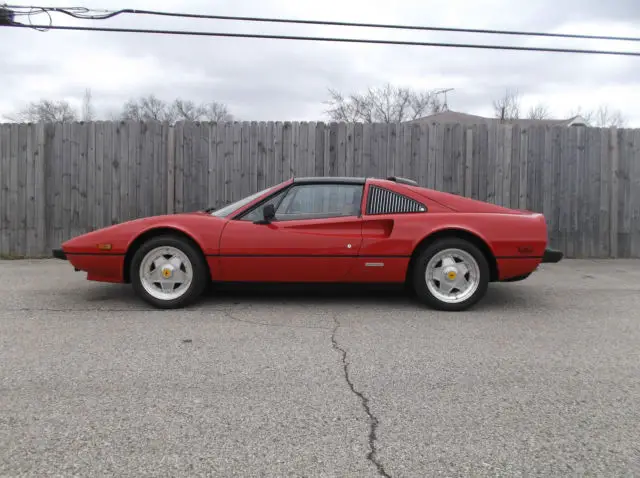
{"x":287,"y":80}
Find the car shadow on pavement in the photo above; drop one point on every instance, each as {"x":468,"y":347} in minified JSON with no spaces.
{"x":499,"y":296}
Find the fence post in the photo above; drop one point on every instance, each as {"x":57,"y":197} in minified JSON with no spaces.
{"x":171,"y":162}
{"x":613,"y":214}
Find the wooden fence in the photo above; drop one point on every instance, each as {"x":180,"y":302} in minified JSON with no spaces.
{"x":60,"y":180}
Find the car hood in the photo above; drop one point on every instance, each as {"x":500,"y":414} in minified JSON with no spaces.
{"x":117,"y":237}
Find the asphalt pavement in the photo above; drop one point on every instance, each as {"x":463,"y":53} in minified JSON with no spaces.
{"x":542,"y":378}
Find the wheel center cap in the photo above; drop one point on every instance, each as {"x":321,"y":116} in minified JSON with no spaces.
{"x":451,"y":274}
{"x":167,"y":272}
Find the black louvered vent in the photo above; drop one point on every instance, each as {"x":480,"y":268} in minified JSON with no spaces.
{"x":383,"y":201}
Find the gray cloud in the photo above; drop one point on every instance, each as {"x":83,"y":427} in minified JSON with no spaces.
{"x":269,"y":80}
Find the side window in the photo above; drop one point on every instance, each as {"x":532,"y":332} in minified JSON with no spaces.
{"x":383,"y":201}
{"x":256,"y":214}
{"x":320,"y":201}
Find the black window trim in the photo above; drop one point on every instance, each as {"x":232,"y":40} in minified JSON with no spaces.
{"x":300,"y":183}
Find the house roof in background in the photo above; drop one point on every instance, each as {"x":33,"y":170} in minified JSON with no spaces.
{"x":466,"y":118}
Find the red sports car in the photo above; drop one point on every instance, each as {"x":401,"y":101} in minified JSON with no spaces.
{"x":447,"y":248}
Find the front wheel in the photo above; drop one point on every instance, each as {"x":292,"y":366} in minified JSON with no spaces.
{"x":451,"y":274}
{"x":168,"y":272}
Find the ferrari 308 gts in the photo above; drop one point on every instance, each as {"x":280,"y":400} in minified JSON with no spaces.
{"x":446,"y":248}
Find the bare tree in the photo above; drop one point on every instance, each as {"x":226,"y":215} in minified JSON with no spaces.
{"x":539,"y":112}
{"x":388,"y":104}
{"x":148,"y":108}
{"x":605,"y":118}
{"x":602,"y":117}
{"x":214,"y":111}
{"x":507,"y":107}
{"x":151,"y":108}
{"x":88,"y":113}
{"x":46,"y":111}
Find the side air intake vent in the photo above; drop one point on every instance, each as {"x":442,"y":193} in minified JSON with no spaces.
{"x":383,"y":201}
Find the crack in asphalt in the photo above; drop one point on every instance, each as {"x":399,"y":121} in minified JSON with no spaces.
{"x":364,"y":401}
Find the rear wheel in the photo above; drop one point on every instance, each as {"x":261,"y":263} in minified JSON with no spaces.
{"x":168,"y":272}
{"x":451,"y":274}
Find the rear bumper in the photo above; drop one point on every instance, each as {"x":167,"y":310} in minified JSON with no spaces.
{"x":59,"y":254}
{"x":551,"y":255}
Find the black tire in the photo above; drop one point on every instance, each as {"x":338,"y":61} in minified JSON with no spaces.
{"x":201,"y":277}
{"x":420,"y":284}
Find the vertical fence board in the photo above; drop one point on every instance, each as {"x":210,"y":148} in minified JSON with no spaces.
{"x":396,"y":151}
{"x":519,"y":134}
{"x":287,"y":150}
{"x":253,"y":157}
{"x":220,"y":164}
{"x":270,"y":165}
{"x":235,"y":183}
{"x":279,"y":153}
{"x":311,"y":164}
{"x":4,"y":188}
{"x":422,"y":174}
{"x":319,"y":154}
{"x":411,"y":169}
{"x":627,"y":145}
{"x":40,"y":190}
{"x":244,"y":187}
{"x":98,"y":180}
{"x":432,"y":157}
{"x":179,"y":170}
{"x":12,"y":197}
{"x":468,"y":162}
{"x":74,"y":159}
{"x":365,"y":148}
{"x":54,"y":173}
{"x":20,"y":226}
{"x":83,"y":171}
{"x":635,"y":196}
{"x":261,"y":158}
{"x":614,"y":193}
{"x":593,"y":191}
{"x":350,"y":150}
{"x":212,"y":170}
{"x":458,"y":149}
{"x":30,"y":246}
{"x":141,"y":156}
{"x":90,"y":189}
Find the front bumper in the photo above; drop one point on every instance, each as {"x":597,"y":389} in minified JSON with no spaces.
{"x":551,"y":255}
{"x":59,"y":254}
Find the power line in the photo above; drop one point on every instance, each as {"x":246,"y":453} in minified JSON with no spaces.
{"x":331,"y":39}
{"x":75,"y":12}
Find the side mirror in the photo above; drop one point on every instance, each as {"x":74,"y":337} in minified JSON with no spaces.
{"x":268,"y":214}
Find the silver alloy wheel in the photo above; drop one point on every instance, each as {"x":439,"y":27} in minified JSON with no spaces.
{"x":452,"y":275}
{"x":166,"y":273}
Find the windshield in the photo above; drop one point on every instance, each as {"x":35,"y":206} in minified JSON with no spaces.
{"x":234,"y":206}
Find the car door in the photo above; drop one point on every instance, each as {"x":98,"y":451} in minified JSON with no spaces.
{"x":315,"y":236}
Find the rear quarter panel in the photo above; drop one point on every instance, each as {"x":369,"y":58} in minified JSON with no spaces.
{"x":517,"y":241}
